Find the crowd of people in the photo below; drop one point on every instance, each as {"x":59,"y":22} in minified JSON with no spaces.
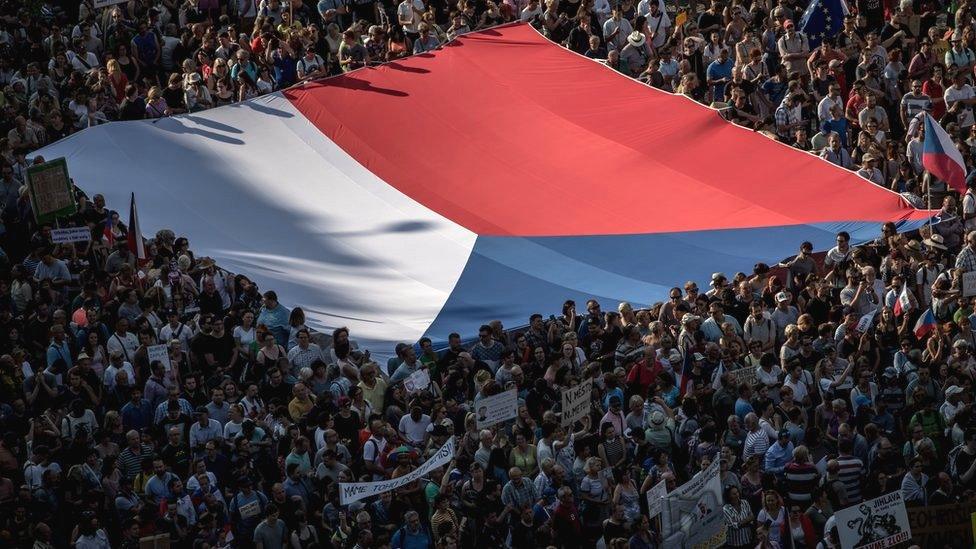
{"x":240,"y":431}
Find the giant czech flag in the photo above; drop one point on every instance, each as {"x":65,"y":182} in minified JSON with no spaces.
{"x":492,"y":179}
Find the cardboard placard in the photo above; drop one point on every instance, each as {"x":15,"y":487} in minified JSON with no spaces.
{"x":50,"y":190}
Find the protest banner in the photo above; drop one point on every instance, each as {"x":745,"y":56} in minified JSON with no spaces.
{"x":418,"y":381}
{"x":50,"y":192}
{"x":942,"y":525}
{"x":969,"y":284}
{"x":107,"y":3}
{"x":745,"y":375}
{"x":73,"y":234}
{"x":692,"y":514}
{"x":655,"y":497}
{"x":874,"y":524}
{"x":160,"y":353}
{"x":497,"y":408}
{"x":576,"y":402}
{"x":350,"y":492}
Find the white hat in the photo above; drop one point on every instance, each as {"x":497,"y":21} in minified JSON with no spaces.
{"x":636,"y":39}
{"x":935,"y":241}
{"x":675,"y":356}
{"x":781,"y":297}
{"x":193,"y":78}
{"x":657,"y":418}
{"x":716,"y":276}
{"x":688,"y":317}
{"x":953,"y":390}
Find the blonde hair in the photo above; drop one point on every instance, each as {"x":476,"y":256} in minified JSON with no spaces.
{"x":113,"y":66}
{"x":154,"y":93}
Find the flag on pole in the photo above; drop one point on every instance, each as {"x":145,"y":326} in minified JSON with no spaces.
{"x":904,"y":302}
{"x":107,"y":229}
{"x":926,"y":324}
{"x":941,"y":157}
{"x":136,"y":245}
{"x":822,"y":19}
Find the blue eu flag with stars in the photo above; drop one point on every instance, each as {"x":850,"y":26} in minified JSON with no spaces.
{"x":823,"y":19}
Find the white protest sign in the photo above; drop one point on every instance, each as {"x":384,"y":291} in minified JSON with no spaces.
{"x":745,"y":375}
{"x":865,"y":322}
{"x":72,"y":234}
{"x":969,"y":284}
{"x":160,"y":353}
{"x":576,"y":402}
{"x":875,"y":524}
{"x":655,"y":497}
{"x":497,"y":408}
{"x":350,"y":492}
{"x":418,"y":381}
{"x":692,"y":514}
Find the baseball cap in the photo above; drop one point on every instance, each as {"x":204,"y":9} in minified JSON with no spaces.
{"x":781,"y":297}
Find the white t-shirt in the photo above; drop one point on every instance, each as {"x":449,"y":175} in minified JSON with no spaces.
{"x":414,"y":431}
{"x":109,"y":376}
{"x":405,"y":12}
{"x":952,"y":94}
{"x":969,"y":207}
{"x":659,"y":26}
{"x":126,"y":345}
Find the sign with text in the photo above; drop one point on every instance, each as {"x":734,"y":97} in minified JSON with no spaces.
{"x":576,"y":402}
{"x":160,"y":353}
{"x":497,"y":408}
{"x":350,"y":492}
{"x":875,"y":524}
{"x":72,"y":234}
{"x":50,"y":193}
{"x":969,"y":284}
{"x":655,"y":497}
{"x":692,"y":515}
{"x":418,"y":381}
{"x":745,"y":375}
{"x":942,"y":525}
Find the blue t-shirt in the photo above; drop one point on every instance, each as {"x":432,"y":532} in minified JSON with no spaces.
{"x":839,"y":126}
{"x":285,"y":71}
{"x":718,"y":70}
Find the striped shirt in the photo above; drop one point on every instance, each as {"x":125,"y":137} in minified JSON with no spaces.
{"x":801,"y":479}
{"x":757,"y":442}
{"x":130,"y":463}
{"x":738,"y":536}
{"x":850,"y":473}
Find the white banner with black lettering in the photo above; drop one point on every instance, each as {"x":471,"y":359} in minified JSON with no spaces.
{"x":497,"y":408}
{"x":350,"y":492}
{"x":576,"y":402}
{"x":71,"y":234}
{"x":874,"y":524}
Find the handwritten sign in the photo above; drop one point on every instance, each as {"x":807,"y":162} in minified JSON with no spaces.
{"x":50,"y":192}
{"x":942,"y":525}
{"x":655,"y":497}
{"x":496,"y":409}
{"x":350,"y":492}
{"x":576,"y":402}
{"x":969,"y":284}
{"x":72,"y":234}
{"x":160,"y":353}
{"x":745,"y":375}
{"x":418,"y":381}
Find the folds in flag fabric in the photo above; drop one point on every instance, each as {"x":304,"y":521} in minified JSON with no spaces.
{"x":941,"y":157}
{"x":823,"y":19}
{"x":904,"y":302}
{"x":136,"y":244}
{"x":926,"y":324}
{"x":317,"y":197}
